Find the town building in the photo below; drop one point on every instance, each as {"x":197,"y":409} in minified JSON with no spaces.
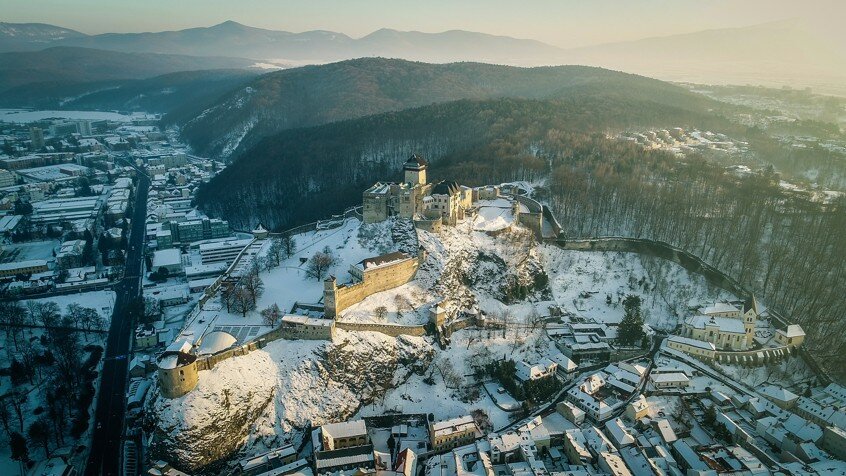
{"x":452,"y":433}
{"x":223,"y":251}
{"x":336,"y":436}
{"x":170,"y":260}
{"x":792,"y":336}
{"x":16,"y":268}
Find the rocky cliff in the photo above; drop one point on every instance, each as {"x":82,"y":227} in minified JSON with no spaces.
{"x":251,"y":403}
{"x":209,"y":424}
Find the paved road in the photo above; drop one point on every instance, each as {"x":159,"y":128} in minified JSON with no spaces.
{"x":109,"y":415}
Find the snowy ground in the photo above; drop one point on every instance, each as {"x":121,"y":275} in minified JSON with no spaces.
{"x":22,"y":116}
{"x":493,"y":215}
{"x":582,"y":281}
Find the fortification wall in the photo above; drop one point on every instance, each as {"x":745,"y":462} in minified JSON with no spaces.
{"x":760,"y":356}
{"x":338,"y":298}
{"x":533,"y":219}
{"x":432,"y":226}
{"x":392,"y":330}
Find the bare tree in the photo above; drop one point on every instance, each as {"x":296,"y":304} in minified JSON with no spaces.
{"x":289,"y":244}
{"x":6,"y":418}
{"x":242,"y":300}
{"x":39,"y":434}
{"x":13,"y":316}
{"x":16,"y":400}
{"x":319,"y":265}
{"x":271,"y":314}
{"x":381,"y":312}
{"x":253,"y":284}
{"x":45,"y":313}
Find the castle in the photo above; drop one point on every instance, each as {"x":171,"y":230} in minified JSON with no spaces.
{"x":415,"y":198}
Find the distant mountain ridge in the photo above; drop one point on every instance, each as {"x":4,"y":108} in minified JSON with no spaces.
{"x":62,"y":65}
{"x":231,"y":38}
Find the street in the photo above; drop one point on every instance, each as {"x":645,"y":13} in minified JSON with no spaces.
{"x":106,"y":443}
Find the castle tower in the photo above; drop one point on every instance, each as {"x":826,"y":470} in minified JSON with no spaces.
{"x":750,"y":316}
{"x":415,"y":170}
{"x":330,"y":290}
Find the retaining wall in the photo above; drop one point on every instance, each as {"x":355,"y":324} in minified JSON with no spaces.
{"x":393,"y":330}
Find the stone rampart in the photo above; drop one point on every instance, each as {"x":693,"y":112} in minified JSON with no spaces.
{"x":336,"y":298}
{"x":393,"y":330}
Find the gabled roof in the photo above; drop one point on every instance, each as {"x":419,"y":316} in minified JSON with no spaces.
{"x":415,"y":161}
{"x":446,"y":187}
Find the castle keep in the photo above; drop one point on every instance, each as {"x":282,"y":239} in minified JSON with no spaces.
{"x":415,"y":198}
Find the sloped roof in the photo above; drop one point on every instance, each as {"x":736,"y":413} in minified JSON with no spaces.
{"x":446,"y":187}
{"x":415,"y":161}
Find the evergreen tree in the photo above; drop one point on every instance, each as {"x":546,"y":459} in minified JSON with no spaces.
{"x":630,"y":331}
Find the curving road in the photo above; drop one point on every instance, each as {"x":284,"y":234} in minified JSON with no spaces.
{"x":106,"y":444}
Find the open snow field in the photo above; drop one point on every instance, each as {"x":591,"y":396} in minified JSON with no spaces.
{"x":582,"y":281}
{"x":23,"y":116}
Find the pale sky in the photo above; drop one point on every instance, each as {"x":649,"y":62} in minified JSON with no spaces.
{"x":564,"y":23}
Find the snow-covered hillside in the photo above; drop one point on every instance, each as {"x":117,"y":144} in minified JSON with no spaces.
{"x":266,"y":398}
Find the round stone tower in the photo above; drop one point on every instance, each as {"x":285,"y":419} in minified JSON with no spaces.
{"x":177,"y":373}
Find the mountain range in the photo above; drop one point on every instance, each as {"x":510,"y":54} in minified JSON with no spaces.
{"x":779,"y":53}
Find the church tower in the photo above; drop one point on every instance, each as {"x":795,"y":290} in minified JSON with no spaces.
{"x":415,"y":170}
{"x":750,"y":315}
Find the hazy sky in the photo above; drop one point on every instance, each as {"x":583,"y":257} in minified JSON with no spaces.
{"x":565,"y":23}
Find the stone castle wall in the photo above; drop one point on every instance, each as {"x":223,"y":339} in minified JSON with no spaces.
{"x":337,"y":298}
{"x":393,"y":330}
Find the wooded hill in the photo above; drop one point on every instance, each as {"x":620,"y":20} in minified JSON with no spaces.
{"x":304,"y":174}
{"x":315,"y":95}
{"x":160,"y":94}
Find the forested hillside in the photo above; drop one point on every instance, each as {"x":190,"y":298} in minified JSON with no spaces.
{"x":303,"y":174}
{"x":159,"y":94}
{"x":315,"y":95}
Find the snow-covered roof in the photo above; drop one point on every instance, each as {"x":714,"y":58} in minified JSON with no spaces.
{"x":344,"y":429}
{"x":793,"y":330}
{"x":777,"y":393}
{"x":619,"y":432}
{"x":216,"y":341}
{"x":692,"y":342}
{"x":453,"y":425}
{"x":669,"y":377}
{"x":718,"y":307}
{"x":169,"y":257}
{"x":382,"y":260}
{"x":725,"y":324}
